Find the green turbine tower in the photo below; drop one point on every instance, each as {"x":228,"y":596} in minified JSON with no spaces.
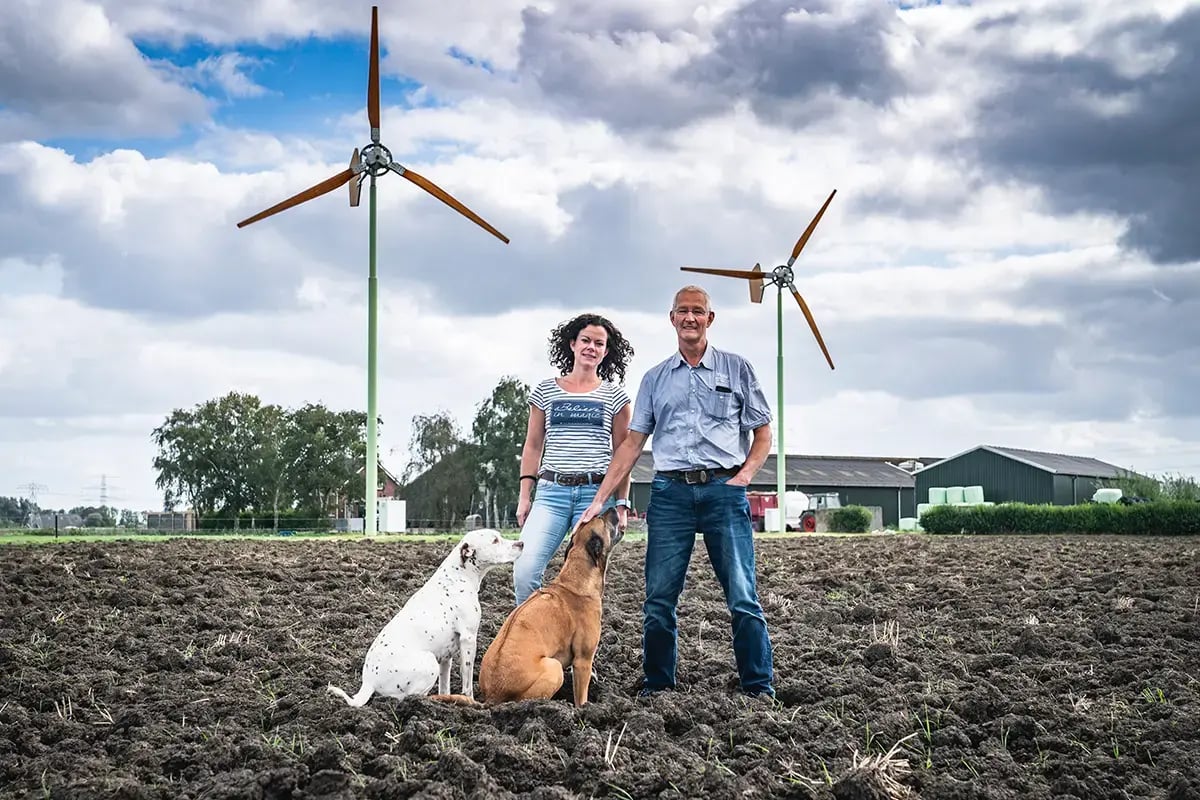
{"x":374,"y":160}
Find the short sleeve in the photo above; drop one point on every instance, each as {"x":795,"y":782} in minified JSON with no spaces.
{"x":756,"y":412}
{"x":537,"y":398}
{"x":643,"y":406}
{"x":618,"y":399}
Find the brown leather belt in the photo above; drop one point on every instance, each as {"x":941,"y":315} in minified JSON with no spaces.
{"x":703,"y":475}
{"x":571,"y":478}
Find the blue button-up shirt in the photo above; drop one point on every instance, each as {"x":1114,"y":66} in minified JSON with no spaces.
{"x":700,"y":416}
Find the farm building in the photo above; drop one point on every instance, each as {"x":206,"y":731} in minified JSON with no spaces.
{"x":1009,"y":474}
{"x":857,"y":480}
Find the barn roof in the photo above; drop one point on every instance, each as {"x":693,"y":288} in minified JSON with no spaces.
{"x":1055,"y":463}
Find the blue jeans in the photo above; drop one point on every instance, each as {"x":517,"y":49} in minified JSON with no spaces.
{"x":677,"y":512}
{"x":555,"y":513}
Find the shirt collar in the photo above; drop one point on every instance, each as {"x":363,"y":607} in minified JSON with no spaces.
{"x":707,"y":360}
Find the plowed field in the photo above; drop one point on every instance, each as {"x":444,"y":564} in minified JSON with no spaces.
{"x":989,"y":667}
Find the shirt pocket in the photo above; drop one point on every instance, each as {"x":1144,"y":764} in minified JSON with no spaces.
{"x":718,"y":401}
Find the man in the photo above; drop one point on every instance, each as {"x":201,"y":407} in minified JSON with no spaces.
{"x":710,"y":422}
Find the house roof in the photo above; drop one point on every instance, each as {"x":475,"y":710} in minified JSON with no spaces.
{"x":1055,"y":463}
{"x":808,"y":470}
{"x":381,"y":471}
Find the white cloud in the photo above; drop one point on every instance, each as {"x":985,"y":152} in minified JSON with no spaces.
{"x":68,"y":71}
{"x":227,"y":72}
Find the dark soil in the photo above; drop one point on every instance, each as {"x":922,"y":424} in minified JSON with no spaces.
{"x":1017,"y":668}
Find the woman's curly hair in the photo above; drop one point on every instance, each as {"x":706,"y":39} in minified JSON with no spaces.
{"x":616,"y":356}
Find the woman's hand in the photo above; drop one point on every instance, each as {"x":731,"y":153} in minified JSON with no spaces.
{"x":523,"y":506}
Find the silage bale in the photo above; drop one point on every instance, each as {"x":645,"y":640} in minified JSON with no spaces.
{"x":973,"y":494}
{"x":937,"y":495}
{"x":954,"y":495}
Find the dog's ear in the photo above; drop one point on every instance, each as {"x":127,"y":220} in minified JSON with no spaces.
{"x":467,"y":553}
{"x":595,"y":548}
{"x":610,"y":518}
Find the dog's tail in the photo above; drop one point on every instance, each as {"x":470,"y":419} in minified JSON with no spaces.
{"x":359,"y":700}
{"x":461,"y":699}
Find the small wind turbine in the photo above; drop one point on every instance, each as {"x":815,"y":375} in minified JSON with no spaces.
{"x":374,"y":160}
{"x":780,"y":277}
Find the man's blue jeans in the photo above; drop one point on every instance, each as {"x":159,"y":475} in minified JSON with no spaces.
{"x":555,"y":513}
{"x":677,"y":512}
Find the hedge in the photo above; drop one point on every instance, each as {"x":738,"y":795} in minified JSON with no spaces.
{"x":1160,"y":518}
{"x":850,"y":519}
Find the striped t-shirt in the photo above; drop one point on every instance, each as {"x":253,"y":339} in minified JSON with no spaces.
{"x":578,"y":425}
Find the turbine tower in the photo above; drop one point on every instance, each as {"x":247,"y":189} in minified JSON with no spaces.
{"x":372,"y":162}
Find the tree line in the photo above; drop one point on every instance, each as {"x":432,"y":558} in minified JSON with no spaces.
{"x":15,"y":512}
{"x":234,"y":458}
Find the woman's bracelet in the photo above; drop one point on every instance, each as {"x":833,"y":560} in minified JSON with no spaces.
{"x":530,"y":477}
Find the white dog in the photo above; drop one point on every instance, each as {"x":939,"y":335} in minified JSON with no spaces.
{"x":414,"y":650}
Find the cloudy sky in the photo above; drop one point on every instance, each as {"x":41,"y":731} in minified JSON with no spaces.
{"x":1012,"y":256}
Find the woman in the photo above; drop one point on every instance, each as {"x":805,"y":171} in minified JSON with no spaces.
{"x":576,"y":421}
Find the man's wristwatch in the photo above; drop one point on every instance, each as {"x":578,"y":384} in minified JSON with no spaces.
{"x":623,"y":503}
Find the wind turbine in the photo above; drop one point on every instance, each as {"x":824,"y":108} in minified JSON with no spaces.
{"x":374,"y":160}
{"x":780,"y":277}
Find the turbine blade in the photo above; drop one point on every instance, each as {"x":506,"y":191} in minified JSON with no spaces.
{"x":445,"y":197}
{"x":324,"y":187}
{"x":812,"y":323}
{"x":373,"y":77}
{"x":356,"y":183}
{"x":756,"y":286}
{"x":803,"y":240}
{"x":728,"y":273}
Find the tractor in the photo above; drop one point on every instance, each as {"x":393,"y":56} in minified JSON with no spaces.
{"x":801,"y":509}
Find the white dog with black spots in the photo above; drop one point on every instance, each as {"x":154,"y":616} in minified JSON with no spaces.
{"x":415,"y":649}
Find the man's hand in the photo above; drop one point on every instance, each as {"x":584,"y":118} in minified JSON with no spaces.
{"x":590,"y":513}
{"x":523,"y":506}
{"x":622,"y":518}
{"x":741,"y":479}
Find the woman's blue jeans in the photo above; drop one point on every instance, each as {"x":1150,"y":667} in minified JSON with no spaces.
{"x":555,"y":513}
{"x":677,"y":512}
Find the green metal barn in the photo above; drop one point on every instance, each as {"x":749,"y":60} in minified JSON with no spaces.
{"x":856,"y":480}
{"x":1012,"y":475}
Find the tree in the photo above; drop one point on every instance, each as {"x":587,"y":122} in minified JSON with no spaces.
{"x":324,"y":449}
{"x":209,"y":455}
{"x":14,"y":511}
{"x":272,"y":471}
{"x":499,"y":432}
{"x":441,"y":496}
{"x":1154,"y":487}
{"x":96,"y":516}
{"x":434,"y":437}
{"x":234,"y":455}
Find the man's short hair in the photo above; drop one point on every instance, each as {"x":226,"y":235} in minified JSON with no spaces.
{"x":697,"y":290}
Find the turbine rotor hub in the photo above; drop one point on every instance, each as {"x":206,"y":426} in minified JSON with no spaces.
{"x":376,"y":158}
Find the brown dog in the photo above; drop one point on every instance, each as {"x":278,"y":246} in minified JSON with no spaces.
{"x":558,"y":625}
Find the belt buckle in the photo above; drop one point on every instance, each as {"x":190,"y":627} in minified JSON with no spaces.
{"x":700,"y":474}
